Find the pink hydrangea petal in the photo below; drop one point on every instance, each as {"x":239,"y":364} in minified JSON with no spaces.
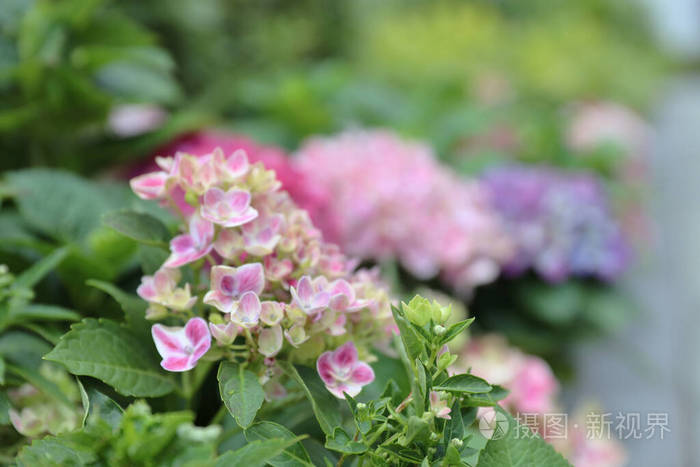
{"x":221,"y":301}
{"x":238,"y":200}
{"x":197,"y":331}
{"x":167,"y":340}
{"x":146,"y":290}
{"x":182,"y":244}
{"x":345,"y":356}
{"x":248,"y":312}
{"x":201,"y":349}
{"x":237,"y":164}
{"x":320,"y":300}
{"x":250,"y":278}
{"x":149,"y":186}
{"x":213,"y":196}
{"x":361,"y":374}
{"x":177,"y":363}
{"x":202,"y":231}
{"x":304,"y":290}
{"x":325,"y":368}
{"x":243,"y":218}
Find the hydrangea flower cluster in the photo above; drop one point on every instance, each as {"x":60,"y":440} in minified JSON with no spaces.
{"x":389,"y":198}
{"x":260,"y":279}
{"x":561,"y":223}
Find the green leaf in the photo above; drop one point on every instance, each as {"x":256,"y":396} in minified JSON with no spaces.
{"x":31,"y":276}
{"x":487,"y":398}
{"x":454,"y":427}
{"x":325,"y":406}
{"x":58,"y":203}
{"x":455,"y":330}
{"x":241,"y":392}
{"x":134,"y":307}
{"x":106,"y":351}
{"x":69,"y":449}
{"x":294,"y":455}
{"x":341,"y":442}
{"x":139,"y":226}
{"x":256,"y":453}
{"x":37,"y":311}
{"x":464,"y":383}
{"x":98,"y":407}
{"x":4,"y":409}
{"x":520,"y":447}
{"x":411,"y":341}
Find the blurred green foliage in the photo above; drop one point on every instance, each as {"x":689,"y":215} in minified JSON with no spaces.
{"x":453,"y":72}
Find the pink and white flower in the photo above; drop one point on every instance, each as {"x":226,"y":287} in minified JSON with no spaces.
{"x":161,"y":288}
{"x":309,"y":295}
{"x":181,"y":347}
{"x":228,"y":208}
{"x":191,"y":246}
{"x":228,"y":284}
{"x":342,"y":371}
{"x":224,"y":333}
{"x":260,"y":237}
{"x":343,"y":297}
{"x":246,"y":312}
{"x":150,"y":185}
{"x":438,"y":405}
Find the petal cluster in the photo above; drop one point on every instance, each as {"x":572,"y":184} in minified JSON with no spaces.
{"x":261,"y":281}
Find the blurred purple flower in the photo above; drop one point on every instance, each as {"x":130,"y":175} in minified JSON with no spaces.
{"x":561,"y":223}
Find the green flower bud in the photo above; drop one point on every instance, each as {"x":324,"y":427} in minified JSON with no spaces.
{"x":456,"y":442}
{"x":418,"y":310}
{"x":439,"y":330}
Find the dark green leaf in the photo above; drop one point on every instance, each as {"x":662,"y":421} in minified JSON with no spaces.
{"x":341,"y":442}
{"x":464,"y":383}
{"x":256,"y":453}
{"x":31,"y":276}
{"x":325,"y":406}
{"x":106,"y":351}
{"x":139,"y":226}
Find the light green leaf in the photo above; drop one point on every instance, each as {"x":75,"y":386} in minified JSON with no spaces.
{"x":341,"y":442}
{"x":139,"y":226}
{"x":464,"y":383}
{"x":325,"y":406}
{"x":455,"y":330}
{"x":256,"y":453}
{"x":411,"y":341}
{"x":37,"y":311}
{"x":106,"y":351}
{"x":241,"y":392}
{"x":294,"y":455}
{"x":520,"y":448}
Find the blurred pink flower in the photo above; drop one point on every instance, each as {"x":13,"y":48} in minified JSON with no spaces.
{"x":181,"y":347}
{"x":341,"y":371}
{"x":438,"y":405}
{"x":390,"y":198}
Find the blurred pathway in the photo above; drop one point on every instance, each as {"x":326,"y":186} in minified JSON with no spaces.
{"x":654,"y":364}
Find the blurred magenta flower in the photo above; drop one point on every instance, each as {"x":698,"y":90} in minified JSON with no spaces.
{"x":389,"y":198}
{"x":342,"y":371}
{"x":561,"y":223}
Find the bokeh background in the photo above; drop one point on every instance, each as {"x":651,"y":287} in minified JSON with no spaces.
{"x":609,"y":88}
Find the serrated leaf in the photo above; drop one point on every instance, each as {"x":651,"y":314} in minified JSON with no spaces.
{"x":455,"y":330}
{"x":256,"y":453}
{"x":294,"y":455}
{"x":139,"y":226}
{"x":325,"y":406}
{"x":520,"y":448}
{"x":241,"y":392}
{"x":111,"y":353}
{"x":464,"y":383}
